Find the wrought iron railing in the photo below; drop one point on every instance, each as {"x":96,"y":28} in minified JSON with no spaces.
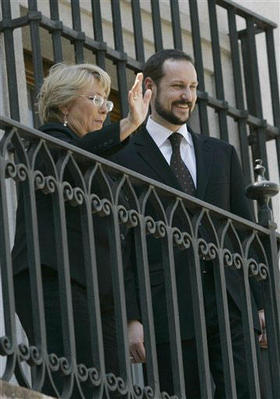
{"x":17,"y":155}
{"x":98,"y":187}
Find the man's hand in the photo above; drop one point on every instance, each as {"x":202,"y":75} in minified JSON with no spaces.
{"x":262,"y":336}
{"x":136,"y":341}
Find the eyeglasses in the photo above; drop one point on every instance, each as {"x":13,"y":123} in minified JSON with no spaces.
{"x":99,"y":101}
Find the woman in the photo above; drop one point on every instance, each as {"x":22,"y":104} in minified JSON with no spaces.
{"x":73,"y":105}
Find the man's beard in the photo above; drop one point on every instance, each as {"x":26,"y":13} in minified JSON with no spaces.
{"x":169,"y":116}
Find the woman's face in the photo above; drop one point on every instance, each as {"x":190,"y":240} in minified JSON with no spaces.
{"x":83,"y":115}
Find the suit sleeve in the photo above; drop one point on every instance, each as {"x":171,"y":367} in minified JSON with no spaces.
{"x":130,"y":279}
{"x":239,"y":203}
{"x":104,"y":142}
{"x":240,"y":206}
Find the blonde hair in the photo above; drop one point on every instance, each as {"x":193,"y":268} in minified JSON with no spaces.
{"x":63,"y":84}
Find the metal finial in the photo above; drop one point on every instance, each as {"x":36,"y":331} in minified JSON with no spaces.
{"x":261,"y":191}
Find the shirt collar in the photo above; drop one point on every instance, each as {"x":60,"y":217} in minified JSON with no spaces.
{"x":160,"y":133}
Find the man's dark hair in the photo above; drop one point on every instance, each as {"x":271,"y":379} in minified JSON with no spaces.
{"x":153,"y":66}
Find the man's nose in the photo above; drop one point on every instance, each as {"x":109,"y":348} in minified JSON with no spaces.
{"x":187,"y":94}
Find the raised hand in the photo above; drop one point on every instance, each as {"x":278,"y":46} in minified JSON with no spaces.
{"x":138,"y":108}
{"x":138,"y":104}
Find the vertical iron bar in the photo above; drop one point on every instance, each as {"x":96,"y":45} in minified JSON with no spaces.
{"x":138,"y":31}
{"x":253,"y":92}
{"x":121,"y":63}
{"x":235,"y":58}
{"x":173,"y":313}
{"x":272,"y":330}
{"x":143,"y":275}
{"x":76,"y":21}
{"x":117,"y":23}
{"x":249,"y":337}
{"x":176,"y":24}
{"x":244,"y":150}
{"x":224,"y":325}
{"x":119,"y":296}
{"x":274,"y":88}
{"x":10,"y":61}
{"x":196,"y":39}
{"x":27,"y":190}
{"x":239,"y":99}
{"x":6,"y":270}
{"x":89,"y":251}
{"x":36,"y":287}
{"x":200,"y":323}
{"x":275,"y":278}
{"x":254,"y":89}
{"x":273,"y":76}
{"x":98,"y":31}
{"x":156,"y":25}
{"x":36,"y":46}
{"x":217,"y":68}
{"x":63,"y":268}
{"x":56,"y":34}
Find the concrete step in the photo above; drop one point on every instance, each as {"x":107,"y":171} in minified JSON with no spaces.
{"x":9,"y":391}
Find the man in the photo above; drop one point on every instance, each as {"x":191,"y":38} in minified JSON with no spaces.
{"x":211,"y":173}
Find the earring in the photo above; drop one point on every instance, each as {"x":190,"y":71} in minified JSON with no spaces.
{"x":65,"y":123}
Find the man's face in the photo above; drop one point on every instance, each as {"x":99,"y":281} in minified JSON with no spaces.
{"x":174,"y":97}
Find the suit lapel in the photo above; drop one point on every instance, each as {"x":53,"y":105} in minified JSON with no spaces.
{"x":160,"y":170}
{"x":148,"y":150}
{"x":204,"y":158}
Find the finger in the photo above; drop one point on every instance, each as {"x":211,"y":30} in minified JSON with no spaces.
{"x":135,"y":357}
{"x":138,"y":353}
{"x":134,"y":350}
{"x":132,"y":97}
{"x":263,"y":341}
{"x":263,"y":345}
{"x":141,"y":353}
{"x":147,"y":96}
{"x":137,"y":85}
{"x":139,"y":79}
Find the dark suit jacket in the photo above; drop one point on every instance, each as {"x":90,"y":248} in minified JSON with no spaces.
{"x":219,"y":182}
{"x":102,"y":142}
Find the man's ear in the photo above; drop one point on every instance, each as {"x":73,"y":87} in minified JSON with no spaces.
{"x":148,"y":83}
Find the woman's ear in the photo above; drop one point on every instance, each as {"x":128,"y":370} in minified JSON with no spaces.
{"x":64,"y":109}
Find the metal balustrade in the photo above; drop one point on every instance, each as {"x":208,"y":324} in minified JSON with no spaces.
{"x":75,"y":178}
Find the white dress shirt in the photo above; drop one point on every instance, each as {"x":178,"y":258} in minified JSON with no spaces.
{"x":160,"y":135}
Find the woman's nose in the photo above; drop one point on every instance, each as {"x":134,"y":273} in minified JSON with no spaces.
{"x":103,"y":109}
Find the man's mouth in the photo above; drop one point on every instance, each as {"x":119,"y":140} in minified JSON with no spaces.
{"x":182,"y":105}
